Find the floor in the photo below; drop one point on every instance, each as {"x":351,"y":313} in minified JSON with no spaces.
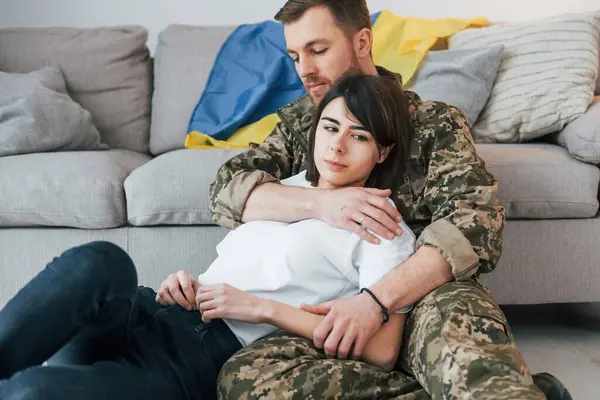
{"x":563,"y":340}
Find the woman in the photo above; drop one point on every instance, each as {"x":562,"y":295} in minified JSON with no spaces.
{"x":106,"y":338}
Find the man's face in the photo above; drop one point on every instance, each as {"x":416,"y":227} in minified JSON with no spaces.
{"x":321,"y":51}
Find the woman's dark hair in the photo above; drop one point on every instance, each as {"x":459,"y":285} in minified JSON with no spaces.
{"x":381,"y":106}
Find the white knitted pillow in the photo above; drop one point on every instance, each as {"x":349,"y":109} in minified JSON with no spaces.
{"x":547,"y":76}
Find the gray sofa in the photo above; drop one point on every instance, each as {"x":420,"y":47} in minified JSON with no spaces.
{"x":150,"y":196}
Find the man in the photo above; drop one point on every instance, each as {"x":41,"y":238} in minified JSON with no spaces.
{"x":458,"y":343}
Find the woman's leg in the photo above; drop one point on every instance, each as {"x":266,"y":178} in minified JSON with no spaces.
{"x":87,"y":295}
{"x":195,"y":350}
{"x":174,"y":356}
{"x":105,"y":380}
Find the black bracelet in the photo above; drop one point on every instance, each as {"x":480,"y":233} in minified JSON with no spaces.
{"x":384,"y":310}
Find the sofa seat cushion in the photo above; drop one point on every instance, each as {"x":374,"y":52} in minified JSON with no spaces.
{"x":71,"y":189}
{"x":173,"y":189}
{"x":542,"y":181}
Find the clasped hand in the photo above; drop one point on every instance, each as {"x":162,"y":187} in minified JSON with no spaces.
{"x":213,"y":301}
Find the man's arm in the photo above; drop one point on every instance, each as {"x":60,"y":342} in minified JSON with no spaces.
{"x":247,"y":189}
{"x":462,"y":195}
{"x":465,"y":236}
{"x":423,"y":272}
{"x":381,"y":350}
{"x":276,"y":202}
{"x":359,"y":317}
{"x":270,"y":161}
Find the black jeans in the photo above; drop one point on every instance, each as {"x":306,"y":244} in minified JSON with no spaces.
{"x":104,"y":337}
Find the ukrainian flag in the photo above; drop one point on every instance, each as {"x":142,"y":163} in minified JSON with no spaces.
{"x":253,"y":76}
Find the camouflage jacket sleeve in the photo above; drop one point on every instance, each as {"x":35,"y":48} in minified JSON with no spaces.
{"x":268,"y":162}
{"x":467,"y":218}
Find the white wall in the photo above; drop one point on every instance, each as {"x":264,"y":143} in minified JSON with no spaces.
{"x":157,"y":14}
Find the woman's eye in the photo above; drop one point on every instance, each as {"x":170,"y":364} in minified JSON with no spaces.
{"x":319,"y":51}
{"x":360,"y":138}
{"x":331,"y":128}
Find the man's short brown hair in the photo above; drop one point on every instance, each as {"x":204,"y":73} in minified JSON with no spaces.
{"x":350,"y":15}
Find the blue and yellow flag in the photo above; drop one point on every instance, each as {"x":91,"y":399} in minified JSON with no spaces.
{"x":253,"y":76}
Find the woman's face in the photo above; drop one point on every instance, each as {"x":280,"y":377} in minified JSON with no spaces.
{"x":345,"y":152}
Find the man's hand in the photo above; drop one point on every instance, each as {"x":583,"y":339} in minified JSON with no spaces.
{"x":358,"y":209}
{"x":178,"y":288}
{"x":225,"y":301}
{"x":349,"y":323}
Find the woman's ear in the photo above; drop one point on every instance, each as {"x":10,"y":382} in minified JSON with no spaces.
{"x":385,"y":152}
{"x":364,"y":43}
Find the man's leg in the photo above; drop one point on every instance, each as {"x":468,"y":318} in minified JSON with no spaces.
{"x":284,"y":366}
{"x":460,"y":346}
{"x":84,"y":299}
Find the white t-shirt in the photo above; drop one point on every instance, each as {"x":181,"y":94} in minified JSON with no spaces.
{"x":303,"y":262}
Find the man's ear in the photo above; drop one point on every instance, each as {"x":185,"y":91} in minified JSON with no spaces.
{"x":363,"y":43}
{"x":385,"y":152}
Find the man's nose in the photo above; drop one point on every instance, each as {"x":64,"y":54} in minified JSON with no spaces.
{"x":306,"y":68}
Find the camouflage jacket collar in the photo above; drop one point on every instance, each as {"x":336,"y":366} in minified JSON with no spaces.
{"x":297,"y":116}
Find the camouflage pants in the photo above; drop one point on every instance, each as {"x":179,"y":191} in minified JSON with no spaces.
{"x":457,"y":346}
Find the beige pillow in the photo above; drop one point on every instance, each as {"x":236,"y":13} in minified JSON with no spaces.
{"x":37,"y":115}
{"x":547,"y":76}
{"x":107,"y":70}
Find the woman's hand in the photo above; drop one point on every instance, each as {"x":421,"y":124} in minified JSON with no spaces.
{"x":178,"y":288}
{"x":225,"y":301}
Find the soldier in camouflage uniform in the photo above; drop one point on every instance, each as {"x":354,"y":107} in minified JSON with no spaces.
{"x":457,"y":342}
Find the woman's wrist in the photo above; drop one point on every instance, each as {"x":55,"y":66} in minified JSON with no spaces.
{"x":266,"y":309}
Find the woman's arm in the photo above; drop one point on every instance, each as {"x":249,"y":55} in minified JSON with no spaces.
{"x":381,"y":350}
{"x":225,"y":301}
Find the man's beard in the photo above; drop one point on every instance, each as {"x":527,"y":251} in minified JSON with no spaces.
{"x":316,"y":97}
{"x":353,"y":70}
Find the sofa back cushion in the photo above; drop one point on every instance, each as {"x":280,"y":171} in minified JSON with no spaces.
{"x":183,"y":61}
{"x":463,"y":78}
{"x":582,"y":136}
{"x":546,"y":79}
{"x":598,"y":80}
{"x":107,"y":70}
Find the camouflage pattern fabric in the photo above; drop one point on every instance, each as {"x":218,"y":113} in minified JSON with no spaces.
{"x":457,"y":346}
{"x":447,"y":197}
{"x":285,"y":366}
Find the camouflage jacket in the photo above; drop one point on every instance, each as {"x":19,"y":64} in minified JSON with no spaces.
{"x":447,"y":196}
